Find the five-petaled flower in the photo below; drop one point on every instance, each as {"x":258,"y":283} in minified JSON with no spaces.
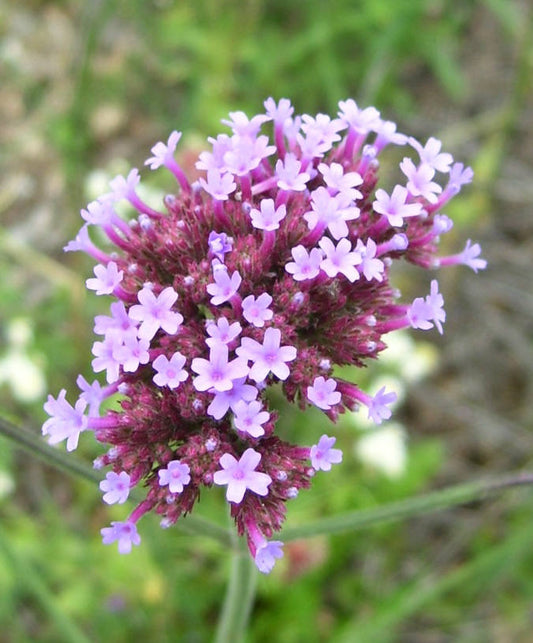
{"x":241,"y":475}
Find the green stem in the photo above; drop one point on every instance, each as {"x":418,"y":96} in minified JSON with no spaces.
{"x":35,"y":445}
{"x":433,"y":501}
{"x":43,"y":596}
{"x":239,"y":598}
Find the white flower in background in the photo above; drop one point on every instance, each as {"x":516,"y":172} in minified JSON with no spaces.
{"x":18,"y":370}
{"x":384,"y":449}
{"x":413,"y":359}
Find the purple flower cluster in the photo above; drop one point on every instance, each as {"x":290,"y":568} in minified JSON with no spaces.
{"x":272,"y":268}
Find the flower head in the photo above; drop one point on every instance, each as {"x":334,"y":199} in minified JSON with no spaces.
{"x":272,"y":268}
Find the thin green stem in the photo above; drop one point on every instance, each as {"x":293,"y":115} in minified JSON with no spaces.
{"x":34,"y":586}
{"x":240,"y":595}
{"x":35,"y":445}
{"x":433,"y":501}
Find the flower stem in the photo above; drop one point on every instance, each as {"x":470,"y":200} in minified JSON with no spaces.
{"x":427,"y":503}
{"x":239,"y":598}
{"x":34,"y":444}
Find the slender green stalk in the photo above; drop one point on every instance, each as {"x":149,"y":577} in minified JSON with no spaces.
{"x":239,"y":598}
{"x":34,"y":444}
{"x":34,"y":587}
{"x":433,"y":501}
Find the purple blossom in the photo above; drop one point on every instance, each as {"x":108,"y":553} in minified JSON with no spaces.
{"x":426,"y":312}
{"x":116,"y":487}
{"x":256,"y":311}
{"x":459,"y":176}
{"x":155,"y":312}
{"x":339,"y":259}
{"x":289,"y":174}
{"x":124,"y":188}
{"x":305,"y":265}
{"x":250,"y":417}
{"x":240,"y":475}
{"x":371,"y":267}
{"x":217,"y":372}
{"x":131,"y":353}
{"x":337,"y":180}
{"x":268,"y":357}
{"x":123,"y":532}
{"x":395,"y":206}
{"x":170,"y":372}
{"x":360,"y":120}
{"x":330,"y":212}
{"x":105,"y":359}
{"x":163,"y":154}
{"x":224,"y":400}
{"x":65,"y":422}
{"x":219,"y":244}
{"x":221,"y":331}
{"x":419,"y":181}
{"x":175,"y":475}
{"x":468,"y":257}
{"x":322,"y":455}
{"x":431,"y":155}
{"x":268,"y":217}
{"x":92,"y":393}
{"x":246,"y":153}
{"x":225,"y":286}
{"x":386,"y":134}
{"x":219,"y":185}
{"x":266,"y":555}
{"x":323,"y":393}
{"x":243,"y":126}
{"x":279,"y":112}
{"x":378,"y":409}
{"x":119,"y":322}
{"x":323,"y":125}
{"x":107,"y":278}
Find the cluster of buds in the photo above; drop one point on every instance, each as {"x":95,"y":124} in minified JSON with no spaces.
{"x":271,"y":268}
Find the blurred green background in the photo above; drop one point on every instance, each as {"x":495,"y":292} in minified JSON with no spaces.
{"x":87,"y":88}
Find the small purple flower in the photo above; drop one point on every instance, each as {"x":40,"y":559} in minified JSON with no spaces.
{"x":331,"y":212}
{"x":219,"y":185}
{"x":224,"y":287}
{"x":377,"y":405}
{"x":163,"y":154}
{"x":268,"y":357}
{"x":268,"y":216}
{"x":65,"y":422}
{"x":249,"y":418}
{"x":219,"y":244}
{"x":279,"y":112}
{"x":370,"y":266}
{"x":217,"y":372}
{"x":243,"y":126}
{"x":221,"y":332}
{"x":426,"y":312}
{"x":339,"y":259}
{"x":470,"y":256}
{"x":105,"y":359}
{"x":92,"y":393}
{"x":155,"y":313}
{"x":431,"y":155}
{"x":176,"y":476}
{"x":224,"y":400}
{"x":337,"y":180}
{"x":116,"y":487}
{"x":323,"y":393}
{"x":395,"y":206}
{"x":131,"y":353}
{"x":360,"y":120}
{"x":123,"y":532}
{"x":289,"y":175}
{"x":170,"y":372}
{"x":107,"y":278}
{"x":419,"y":180}
{"x":240,"y":475}
{"x":257,"y":311}
{"x":266,"y":555}
{"x":246,"y":153}
{"x":305,"y":265}
{"x":323,"y":455}
{"x":119,"y":321}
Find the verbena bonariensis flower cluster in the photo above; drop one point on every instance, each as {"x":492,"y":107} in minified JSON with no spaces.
{"x":271,"y":268}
